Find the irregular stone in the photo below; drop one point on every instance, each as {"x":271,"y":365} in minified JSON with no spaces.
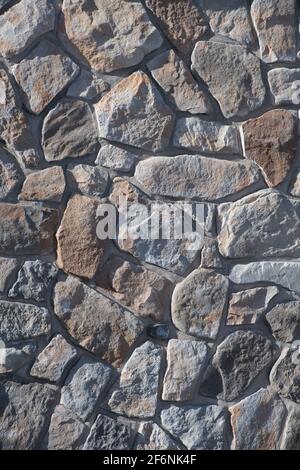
{"x":69,"y":131}
{"x":109,"y":434}
{"x":284,"y":321}
{"x":283,"y":84}
{"x":88,"y":180}
{"x":137,"y":392}
{"x":247,"y":306}
{"x":44,"y":73}
{"x":245,"y":226}
{"x":204,"y":136}
{"x":186,"y":360}
{"x":90,"y":86}
{"x":198,"y":303}
{"x":194,"y":176}
{"x":235,"y":81}
{"x":239,"y":359}
{"x":84,"y":387}
{"x":10,"y":175}
{"x":22,"y":321}
{"x":174,"y":77}
{"x":34,"y":280}
{"x":182,"y":22}
{"x":52,"y":362}
{"x":295,"y":186}
{"x":230,"y":18}
{"x":284,"y":273}
{"x":65,"y":430}
{"x":285,"y":374}
{"x":24,"y":414}
{"x":291,"y":436}
{"x":271,"y":141}
{"x":160,"y":331}
{"x":115,"y":158}
{"x":145,"y":292}
{"x":134,"y":113}
{"x":98,"y":324}
{"x":151,"y":437}
{"x":108,"y":35}
{"x":275,"y":27}
{"x":44,"y":185}
{"x":23,"y":23}
{"x":257,"y":421}
{"x":15,"y":357}
{"x":27,"y":229}
{"x":79,"y":250}
{"x":198,"y":428}
{"x":8,"y":267}
{"x":210,"y":256}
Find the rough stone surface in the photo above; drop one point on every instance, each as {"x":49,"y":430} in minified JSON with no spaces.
{"x":271,"y":141}
{"x":275,"y":27}
{"x":98,"y":324}
{"x":10,"y":175}
{"x":151,"y":437}
{"x":69,"y":131}
{"x":198,"y":303}
{"x":291,"y":437}
{"x":109,"y":434}
{"x":45,"y":185}
{"x":295,"y":185}
{"x":247,"y":306}
{"x":284,"y":84}
{"x":285,"y":374}
{"x":91,"y":86}
{"x":115,"y":158}
{"x":194,"y":176}
{"x":136,"y":394}
{"x":284,"y":321}
{"x":15,"y":357}
{"x":109,"y":35}
{"x":134,"y":113}
{"x":88,"y":180}
{"x":182,"y":90}
{"x":257,"y":421}
{"x":8,"y":267}
{"x":65,"y":430}
{"x":233,"y":76}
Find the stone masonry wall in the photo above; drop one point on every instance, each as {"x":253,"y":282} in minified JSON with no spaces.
{"x":148,"y":344}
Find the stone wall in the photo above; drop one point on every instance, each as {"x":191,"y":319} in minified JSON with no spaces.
{"x":149,"y":345}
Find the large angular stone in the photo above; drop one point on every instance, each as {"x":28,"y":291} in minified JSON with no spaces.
{"x":182,"y":90}
{"x":181,"y":20}
{"x":98,"y":324}
{"x":8,"y":267}
{"x":15,"y":357}
{"x":291,"y":437}
{"x":65,"y":430}
{"x":115,"y":158}
{"x":285,"y":374}
{"x":10,"y":174}
{"x":205,"y":136}
{"x":186,"y":360}
{"x":44,"y":73}
{"x":109,"y":434}
{"x":257,"y":421}
{"x":85,"y":386}
{"x":247,"y":306}
{"x":79,"y":250}
{"x":284,"y":86}
{"x":23,"y":23}
{"x":198,"y":303}
{"x":194,"y":176}
{"x":274,"y":22}
{"x":230,"y":18}
{"x":245,"y":226}
{"x":24,"y":414}
{"x":134,"y":113}
{"x":137,"y":392}
{"x":198,"y":428}
{"x":151,"y":437}
{"x":284,"y":321}
{"x":271,"y":141}
{"x":88,"y":180}
{"x":27,"y":229}
{"x":22,"y":321}
{"x":108,"y":35}
{"x":44,"y":185}
{"x":239,"y":359}
{"x":233,"y":76}
{"x":69,"y":131}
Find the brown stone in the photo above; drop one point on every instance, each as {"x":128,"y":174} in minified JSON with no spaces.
{"x":44,"y":185}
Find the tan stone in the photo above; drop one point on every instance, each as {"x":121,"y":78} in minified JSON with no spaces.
{"x":44,"y":185}
{"x":247,"y":306}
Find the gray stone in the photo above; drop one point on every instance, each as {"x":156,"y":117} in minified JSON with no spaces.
{"x":137,"y":392}
{"x":8,"y":267}
{"x":257,"y":421}
{"x":91,"y":86}
{"x":85,"y":386}
{"x":247,"y":306}
{"x":284,"y":321}
{"x":151,"y":437}
{"x":44,"y":73}
{"x":198,"y":303}
{"x":34,"y":280}
{"x":291,"y":436}
{"x":65,"y":430}
{"x":88,"y":180}
{"x":235,"y":81}
{"x":10,"y":175}
{"x":69,"y":131}
{"x":15,"y":357}
{"x":198,"y":428}
{"x":205,"y":136}
{"x":182,"y":90}
{"x":134,"y":113}
{"x":210,"y":256}
{"x":194,"y":176}
{"x":295,"y":186}
{"x":239,"y":359}
{"x":23,"y":23}
{"x":115,"y":158}
{"x":109,"y":434}
{"x":52,"y":362}
{"x":284,"y":86}
{"x":22,"y":321}
{"x":44,"y":185}
{"x":98,"y":324}
{"x":284,"y":376}
{"x":186,"y":360}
